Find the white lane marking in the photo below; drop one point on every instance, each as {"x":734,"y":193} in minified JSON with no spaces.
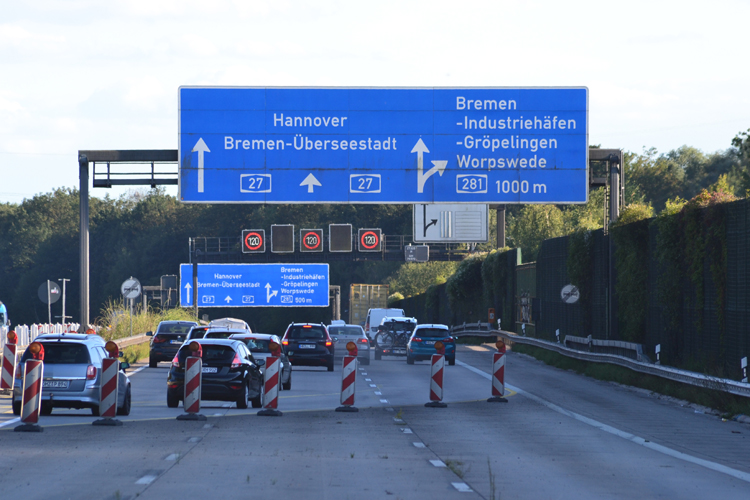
{"x":172,"y":457}
{"x":419,"y":445}
{"x":146,"y":480}
{"x":406,"y":430}
{"x":373,"y":385}
{"x":194,"y":440}
{"x":744,"y":476}
{"x":462,"y":487}
{"x":137,"y":370}
{"x":378,"y":393}
{"x":398,"y":420}
{"x":226,"y":405}
{"x":368,"y":380}
{"x":11,"y":421}
{"x":384,"y":401}
{"x":218,"y":414}
{"x":437,"y":463}
{"x":208,"y":426}
{"x":389,"y":409}
{"x":363,"y":373}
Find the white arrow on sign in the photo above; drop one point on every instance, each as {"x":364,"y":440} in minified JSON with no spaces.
{"x":310,"y":181}
{"x":201,"y":148}
{"x":439,"y":166}
{"x":228,"y":299}
{"x":188,"y":296}
{"x":270,"y":293}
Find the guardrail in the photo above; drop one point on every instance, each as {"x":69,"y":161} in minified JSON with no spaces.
{"x":675,"y":374}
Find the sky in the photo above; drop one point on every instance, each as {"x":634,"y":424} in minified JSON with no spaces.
{"x":85,"y":74}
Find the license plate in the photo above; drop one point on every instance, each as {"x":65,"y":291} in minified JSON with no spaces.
{"x":399,"y":351}
{"x":429,"y":342}
{"x":307,"y":346}
{"x":210,"y":369}
{"x":55,"y":384}
{"x":176,"y":342}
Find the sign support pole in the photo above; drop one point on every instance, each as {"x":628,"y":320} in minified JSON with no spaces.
{"x":83,"y":164}
{"x":49,"y":304}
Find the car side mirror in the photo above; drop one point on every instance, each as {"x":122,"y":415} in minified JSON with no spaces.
{"x":335,"y":339}
{"x":260,"y":362}
{"x":149,"y":334}
{"x":120,"y":354}
{"x":124,"y":365}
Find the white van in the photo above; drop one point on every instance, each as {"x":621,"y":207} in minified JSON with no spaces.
{"x":375,"y":317}
{"x":232,"y":323}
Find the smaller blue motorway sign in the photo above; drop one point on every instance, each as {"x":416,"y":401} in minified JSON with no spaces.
{"x":256,"y":285}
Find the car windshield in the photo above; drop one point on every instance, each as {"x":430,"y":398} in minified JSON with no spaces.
{"x":345,"y":330}
{"x":63,"y":353}
{"x":432,"y":332}
{"x":306,"y":332}
{"x":257,"y":345}
{"x":212,"y":354}
{"x":175,"y":328}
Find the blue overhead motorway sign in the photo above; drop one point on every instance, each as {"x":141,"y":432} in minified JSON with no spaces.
{"x":376,"y":145}
{"x":256,"y":285}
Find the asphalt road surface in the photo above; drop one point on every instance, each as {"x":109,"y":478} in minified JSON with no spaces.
{"x":559,"y":436}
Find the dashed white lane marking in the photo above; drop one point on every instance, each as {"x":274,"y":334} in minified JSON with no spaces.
{"x":373,"y":385}
{"x":11,"y":421}
{"x":744,"y":476}
{"x":361,"y":369}
{"x":462,"y":487}
{"x":194,"y":440}
{"x":419,"y":445}
{"x":146,"y":480}
{"x":437,"y":463}
{"x":226,"y":405}
{"x":398,"y":420}
{"x":172,"y":457}
{"x":218,"y":414}
{"x":208,"y":426}
{"x":378,"y":393}
{"x":384,"y":401}
{"x":368,"y":380}
{"x":363,"y":373}
{"x":389,"y":409}
{"x":137,"y":370}
{"x":406,"y":430}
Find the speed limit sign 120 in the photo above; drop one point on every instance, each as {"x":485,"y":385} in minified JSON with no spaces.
{"x":370,"y":240}
{"x":253,"y":241}
{"x":311,"y":240}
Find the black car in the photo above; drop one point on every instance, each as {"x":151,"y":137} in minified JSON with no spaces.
{"x":308,"y":344}
{"x":168,"y":338}
{"x":230,"y":373}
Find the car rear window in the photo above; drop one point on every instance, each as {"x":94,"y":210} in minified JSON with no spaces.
{"x":257,"y":345}
{"x":311,"y":332}
{"x":218,"y":335}
{"x":62,"y":353}
{"x":197,"y":333}
{"x":398,"y":326}
{"x":183,"y":328}
{"x":345,"y":330}
{"x":212,"y":354}
{"x":433,"y":332}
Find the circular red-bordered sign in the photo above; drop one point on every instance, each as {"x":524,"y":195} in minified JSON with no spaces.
{"x":363,"y":239}
{"x":253,"y":247}
{"x":317,"y":240}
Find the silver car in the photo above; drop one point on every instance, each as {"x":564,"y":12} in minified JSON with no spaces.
{"x":344,"y":334}
{"x":258,"y":345}
{"x":72,"y":374}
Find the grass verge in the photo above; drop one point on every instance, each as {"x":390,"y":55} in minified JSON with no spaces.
{"x":133,"y":353}
{"x":728,"y":404}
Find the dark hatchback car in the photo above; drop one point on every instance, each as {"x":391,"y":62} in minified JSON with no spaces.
{"x":230,"y":373}
{"x":308,"y":344}
{"x":167,"y":340}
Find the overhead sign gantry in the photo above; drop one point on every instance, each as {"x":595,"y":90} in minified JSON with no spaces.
{"x":377,"y":145}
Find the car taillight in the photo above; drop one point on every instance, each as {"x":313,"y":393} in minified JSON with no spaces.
{"x":449,"y":340}
{"x":329,"y":343}
{"x":285,"y":342}
{"x":91,"y":372}
{"x":417,"y":339}
{"x":363,"y":341}
{"x":175,"y":361}
{"x":159,"y":340}
{"x":236,"y":362}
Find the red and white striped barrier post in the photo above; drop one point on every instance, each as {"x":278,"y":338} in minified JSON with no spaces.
{"x":108,"y":387}
{"x":271,"y":384}
{"x":436,"y":377}
{"x":193,"y":383}
{"x":31,"y":398}
{"x":498,"y":374}
{"x":8,"y":373}
{"x":348,"y":379}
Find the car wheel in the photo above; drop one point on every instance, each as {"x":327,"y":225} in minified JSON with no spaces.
{"x":452,"y":361}
{"x":46,"y":409}
{"x":242,"y":400}
{"x":330,"y":367}
{"x":256,"y":401}
{"x":288,"y":384}
{"x":95,"y":410}
{"x":378,"y":354}
{"x":409,"y":360}
{"x":16,"y":407}
{"x":173,"y":400}
{"x":152,"y":363}
{"x":125,"y":408}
